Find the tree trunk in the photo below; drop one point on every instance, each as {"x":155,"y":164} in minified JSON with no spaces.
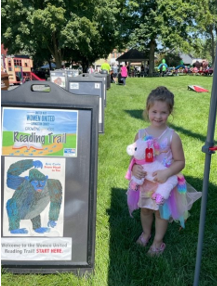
{"x":56,"y":52}
{"x":85,"y":65}
{"x":152,"y":46}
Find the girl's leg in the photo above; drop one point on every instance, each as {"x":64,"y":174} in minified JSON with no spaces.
{"x":160,"y":230}
{"x":146,"y":216}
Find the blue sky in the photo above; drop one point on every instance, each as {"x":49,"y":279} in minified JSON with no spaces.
{"x":16,"y":120}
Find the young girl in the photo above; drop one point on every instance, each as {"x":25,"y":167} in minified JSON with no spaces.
{"x":159,"y":106}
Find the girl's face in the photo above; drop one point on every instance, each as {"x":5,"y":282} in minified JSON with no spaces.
{"x":158,"y":114}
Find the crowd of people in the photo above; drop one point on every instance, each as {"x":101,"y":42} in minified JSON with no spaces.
{"x":119,"y":73}
{"x":197,"y":68}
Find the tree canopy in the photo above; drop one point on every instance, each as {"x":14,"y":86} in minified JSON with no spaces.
{"x":207,"y":27}
{"x":170,"y":23}
{"x":87,"y":30}
{"x":84,"y":30}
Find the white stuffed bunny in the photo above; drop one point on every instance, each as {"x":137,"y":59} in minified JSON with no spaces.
{"x":143,"y":152}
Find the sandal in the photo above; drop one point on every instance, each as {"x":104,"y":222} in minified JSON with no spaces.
{"x":142,"y":241}
{"x":156,"y":251}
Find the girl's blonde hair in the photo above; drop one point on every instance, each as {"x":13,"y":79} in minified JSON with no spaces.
{"x":161,"y":93}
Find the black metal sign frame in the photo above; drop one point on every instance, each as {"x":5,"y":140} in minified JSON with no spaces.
{"x":79,"y":215}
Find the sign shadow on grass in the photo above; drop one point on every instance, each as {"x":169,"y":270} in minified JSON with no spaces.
{"x":189,"y":133}
{"x":138,"y":114}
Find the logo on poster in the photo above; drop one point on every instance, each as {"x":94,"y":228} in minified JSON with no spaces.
{"x":69,"y":151}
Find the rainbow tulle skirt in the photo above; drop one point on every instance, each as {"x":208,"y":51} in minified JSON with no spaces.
{"x":176,"y":207}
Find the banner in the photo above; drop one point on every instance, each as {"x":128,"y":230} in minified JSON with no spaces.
{"x":39,"y":132}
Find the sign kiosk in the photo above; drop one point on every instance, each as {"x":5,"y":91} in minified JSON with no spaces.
{"x":104,"y":77}
{"x":71,"y":73}
{"x":108,"y":76}
{"x":48,"y":179}
{"x":58,"y":77}
{"x":88,"y":84}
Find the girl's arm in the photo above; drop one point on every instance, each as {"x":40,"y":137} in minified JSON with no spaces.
{"x":178,"y":155}
{"x":178,"y":161}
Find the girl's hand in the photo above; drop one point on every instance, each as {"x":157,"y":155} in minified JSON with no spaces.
{"x":138,"y":172}
{"x":160,"y":176}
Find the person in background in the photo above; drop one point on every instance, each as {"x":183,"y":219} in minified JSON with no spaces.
{"x":128,"y":68}
{"x":164,"y":69}
{"x":115,"y":72}
{"x":124,"y":74}
{"x":91,"y":69}
{"x":195,"y":70}
{"x":106,"y":66}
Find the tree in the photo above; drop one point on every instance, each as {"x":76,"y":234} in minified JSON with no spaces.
{"x":170,"y":23}
{"x":207,"y":26}
{"x":84,"y":30}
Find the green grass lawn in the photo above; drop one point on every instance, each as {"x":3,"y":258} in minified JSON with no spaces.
{"x":118,"y":260}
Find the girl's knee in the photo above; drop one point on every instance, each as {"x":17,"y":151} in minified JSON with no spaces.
{"x":157,"y":214}
{"x":146,"y":211}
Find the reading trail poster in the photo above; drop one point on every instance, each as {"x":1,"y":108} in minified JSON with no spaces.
{"x":34,"y":191}
{"x":39,"y":132}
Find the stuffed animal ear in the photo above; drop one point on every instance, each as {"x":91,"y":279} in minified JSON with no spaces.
{"x":147,"y":137}
{"x":152,"y":142}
